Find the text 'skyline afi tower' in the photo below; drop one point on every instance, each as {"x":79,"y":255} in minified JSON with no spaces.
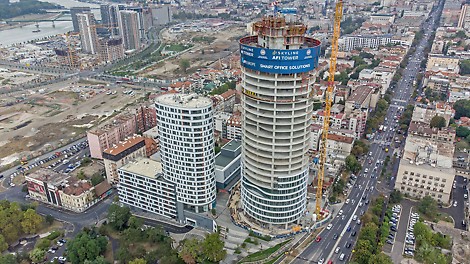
{"x":277,"y":107}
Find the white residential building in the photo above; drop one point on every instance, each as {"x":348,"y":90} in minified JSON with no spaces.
{"x":142,"y":185}
{"x":186,"y":128}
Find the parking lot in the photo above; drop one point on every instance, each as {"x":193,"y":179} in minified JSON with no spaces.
{"x":396,"y":249}
{"x":58,"y":161}
{"x":458,"y":202}
{"x":56,"y":252}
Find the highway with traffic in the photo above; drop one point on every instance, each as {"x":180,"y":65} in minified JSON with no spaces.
{"x":337,"y":241}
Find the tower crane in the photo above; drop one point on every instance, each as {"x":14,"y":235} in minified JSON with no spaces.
{"x":328,"y":96}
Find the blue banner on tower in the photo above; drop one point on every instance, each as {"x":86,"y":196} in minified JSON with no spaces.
{"x":279,"y":61}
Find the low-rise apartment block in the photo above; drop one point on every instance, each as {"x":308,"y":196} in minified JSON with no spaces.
{"x":141,"y":185}
{"x":111,"y":134}
{"x":120,"y":154}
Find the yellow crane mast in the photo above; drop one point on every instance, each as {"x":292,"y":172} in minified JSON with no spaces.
{"x":328,"y":96}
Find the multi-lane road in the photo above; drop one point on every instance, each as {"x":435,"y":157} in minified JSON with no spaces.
{"x":343,"y":232}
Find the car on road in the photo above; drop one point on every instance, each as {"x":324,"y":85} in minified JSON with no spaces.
{"x":354,"y":218}
{"x":340,"y":212}
{"x":455,"y":203}
{"x":335,"y":236}
{"x":318,"y":239}
{"x":337,"y":250}
{"x":329,"y":226}
{"x":320,"y":261}
{"x":348,"y":245}
{"x":341,"y":257}
{"x":353,"y":233}
{"x":348,"y":229}
{"x":347,"y":201}
{"x":366,"y":170}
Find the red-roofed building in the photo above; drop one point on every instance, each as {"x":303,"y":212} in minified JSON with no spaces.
{"x":229,"y":100}
{"x":121,"y":153}
{"x":77,"y":195}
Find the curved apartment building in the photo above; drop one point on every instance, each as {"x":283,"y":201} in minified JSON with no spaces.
{"x":277,"y":107}
{"x":186,"y":130}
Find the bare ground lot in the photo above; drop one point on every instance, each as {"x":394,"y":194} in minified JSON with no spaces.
{"x":201,"y":55}
{"x":44,"y":121}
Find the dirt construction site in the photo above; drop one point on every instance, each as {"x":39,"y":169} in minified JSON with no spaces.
{"x":208,"y":48}
{"x":40,"y":122}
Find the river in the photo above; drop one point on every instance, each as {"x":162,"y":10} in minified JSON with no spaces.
{"x":24,"y":34}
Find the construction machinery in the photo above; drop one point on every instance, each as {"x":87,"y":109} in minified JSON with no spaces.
{"x":328,"y":97}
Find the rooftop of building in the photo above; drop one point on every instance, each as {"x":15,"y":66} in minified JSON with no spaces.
{"x":122,"y":146}
{"x":426,"y":151}
{"x":234,"y":120}
{"x":184,"y":100}
{"x":152,"y":132}
{"x":77,"y":187}
{"x":226,"y":95}
{"x":339,"y":138}
{"x":102,"y":188}
{"x":360,"y":94}
{"x":116,"y":121}
{"x":49,"y":176}
{"x":143,"y":166}
{"x":223,"y":160}
{"x":232,"y":145}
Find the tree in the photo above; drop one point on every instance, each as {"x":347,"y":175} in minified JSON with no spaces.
{"x":363,"y":251}
{"x":190,"y":251}
{"x":395,"y":196}
{"x":49,"y":219}
{"x":156,"y":234}
{"x":465,"y":67}
{"x":124,"y":255}
{"x":135,"y":222}
{"x":138,"y":261}
{"x":85,"y":247}
{"x":380,"y":258}
{"x":462,"y":131}
{"x":382,"y":106}
{"x":462,"y":108}
{"x":352,"y":165}
{"x":98,"y":260}
{"x":428,"y":206}
{"x":118,"y":216}
{"x":438,"y":121}
{"x":97,"y":179}
{"x":81,"y":175}
{"x":369,"y":232}
{"x":213,"y":248}
{"x":31,"y":221}
{"x":37,"y":255}
{"x":8,"y":259}
{"x":184,"y":65}
{"x":3,"y":244}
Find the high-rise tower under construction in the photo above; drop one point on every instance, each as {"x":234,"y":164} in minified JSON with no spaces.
{"x":276,"y":63}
